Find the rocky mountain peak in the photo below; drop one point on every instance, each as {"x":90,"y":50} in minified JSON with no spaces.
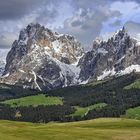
{"x":3,"y":54}
{"x":111,"y":57}
{"x":97,"y":42}
{"x":121,"y":33}
{"x":64,"y":48}
{"x":43,"y":59}
{"x":113,"y":44}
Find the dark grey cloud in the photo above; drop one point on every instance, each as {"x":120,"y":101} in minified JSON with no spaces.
{"x":16,"y":14}
{"x":76,"y":23}
{"x":15,"y":9}
{"x":88,"y":3}
{"x":138,"y":1}
{"x":86,"y":23}
{"x":12,"y":9}
{"x":93,"y":4}
{"x":46,"y":15}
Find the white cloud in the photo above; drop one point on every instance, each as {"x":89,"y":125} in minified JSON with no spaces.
{"x":86,"y":24}
{"x":85,"y":19}
{"x":7,"y":39}
{"x":130,"y":11}
{"x":124,"y":7}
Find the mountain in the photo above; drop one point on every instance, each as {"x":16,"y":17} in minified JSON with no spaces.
{"x":119,"y":55}
{"x":42,"y":59}
{"x":3,"y":54}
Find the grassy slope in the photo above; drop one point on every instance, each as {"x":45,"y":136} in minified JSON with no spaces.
{"x":34,"y":100}
{"x":135,"y":85}
{"x":81,"y":111}
{"x":99,"y":129}
{"x":133,"y":113}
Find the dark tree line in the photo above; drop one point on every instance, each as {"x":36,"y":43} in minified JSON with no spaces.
{"x":111,"y":92}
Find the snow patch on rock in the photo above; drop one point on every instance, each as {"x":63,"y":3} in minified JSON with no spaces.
{"x":109,"y":73}
{"x":130,"y":69}
{"x":106,"y":73}
{"x":102,"y":50}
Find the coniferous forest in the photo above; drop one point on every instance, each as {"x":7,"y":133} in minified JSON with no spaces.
{"x":119,"y":94}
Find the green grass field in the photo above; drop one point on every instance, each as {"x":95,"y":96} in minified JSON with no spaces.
{"x":133,"y":113}
{"x":34,"y":101}
{"x":135,"y":85}
{"x":81,"y":111}
{"x":98,"y":129}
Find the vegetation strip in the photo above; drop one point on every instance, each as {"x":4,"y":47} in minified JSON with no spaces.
{"x":35,"y":100}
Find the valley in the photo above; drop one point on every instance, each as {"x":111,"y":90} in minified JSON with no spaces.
{"x":107,"y":98}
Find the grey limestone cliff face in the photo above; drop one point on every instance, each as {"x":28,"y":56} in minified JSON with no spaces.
{"x":42,"y":59}
{"x":114,"y":55}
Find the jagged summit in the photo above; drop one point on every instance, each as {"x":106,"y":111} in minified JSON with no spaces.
{"x":64,"y":48}
{"x":42,"y":59}
{"x":117,"y":36}
{"x":111,"y":57}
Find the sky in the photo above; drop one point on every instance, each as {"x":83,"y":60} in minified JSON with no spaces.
{"x":84,"y":19}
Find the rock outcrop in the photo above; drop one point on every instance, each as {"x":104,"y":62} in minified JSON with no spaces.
{"x":43,"y":59}
{"x":117,"y":56}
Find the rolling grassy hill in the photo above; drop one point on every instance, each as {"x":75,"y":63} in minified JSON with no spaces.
{"x":34,"y":100}
{"x":133,"y":113}
{"x":99,"y":129}
{"x":81,"y":111}
{"x":135,"y":85}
